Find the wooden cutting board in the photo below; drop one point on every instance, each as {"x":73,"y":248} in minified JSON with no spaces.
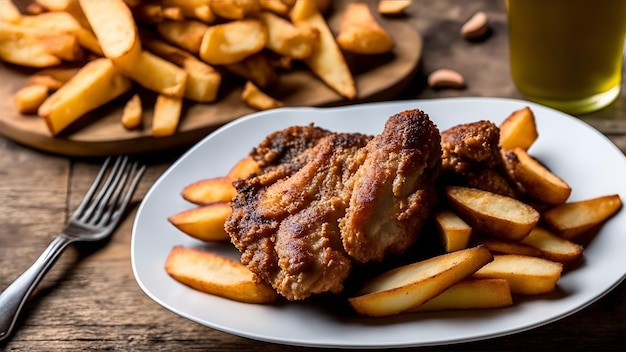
{"x":100,"y":133}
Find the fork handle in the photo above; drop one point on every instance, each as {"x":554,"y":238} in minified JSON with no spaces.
{"x":15,"y":295}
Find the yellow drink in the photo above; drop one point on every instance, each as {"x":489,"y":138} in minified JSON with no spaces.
{"x":567,"y":54}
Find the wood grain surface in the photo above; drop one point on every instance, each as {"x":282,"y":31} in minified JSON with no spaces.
{"x":90,"y":300}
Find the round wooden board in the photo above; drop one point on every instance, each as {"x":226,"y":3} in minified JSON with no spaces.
{"x":100,"y":133}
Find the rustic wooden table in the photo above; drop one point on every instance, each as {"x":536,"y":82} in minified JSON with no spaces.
{"x":91,"y":301}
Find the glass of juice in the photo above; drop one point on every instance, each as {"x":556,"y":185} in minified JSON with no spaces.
{"x":567,"y":54}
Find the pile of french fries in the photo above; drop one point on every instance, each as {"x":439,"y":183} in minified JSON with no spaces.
{"x":92,"y":52}
{"x":496,"y":247}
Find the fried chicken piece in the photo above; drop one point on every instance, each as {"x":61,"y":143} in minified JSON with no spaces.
{"x":286,"y":221}
{"x":394,"y":188}
{"x":287,"y":227}
{"x":471,"y":157}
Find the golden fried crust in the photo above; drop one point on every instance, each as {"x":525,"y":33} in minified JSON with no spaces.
{"x":286,"y":227}
{"x":394,"y":188}
{"x":468,"y":145}
{"x":471,"y":157}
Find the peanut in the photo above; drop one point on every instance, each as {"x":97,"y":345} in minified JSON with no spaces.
{"x":446,"y":78}
{"x":475,"y":27}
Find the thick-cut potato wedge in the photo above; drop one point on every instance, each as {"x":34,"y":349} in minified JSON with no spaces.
{"x":185,"y":34}
{"x":9,"y":13}
{"x":171,"y":80}
{"x":132,"y":113}
{"x":256,"y":68}
{"x":573,"y":219}
{"x":243,"y":169}
{"x":205,"y":223}
{"x":166,"y":115}
{"x":326,"y":61}
{"x":518,"y":130}
{"x":360,"y":33}
{"x":526,"y":275}
{"x":234,"y":9}
{"x":156,"y":13}
{"x":28,"y":98}
{"x":453,"y":231}
{"x":492,"y":214}
{"x":278,"y":7}
{"x":53,"y":77}
{"x":231,"y":42}
{"x":25,"y":46}
{"x":257,"y":99}
{"x":63,"y":22}
{"x":95,"y":84}
{"x":470,"y":294}
{"x":113,"y":24}
{"x":393,"y":7}
{"x":63,"y":45}
{"x":210,"y":190}
{"x":286,"y":39}
{"x":553,"y":247}
{"x":217,"y":275}
{"x":536,"y":180}
{"x":508,"y":247}
{"x":411,"y":285}
{"x":203,"y":81}
{"x":198,"y":9}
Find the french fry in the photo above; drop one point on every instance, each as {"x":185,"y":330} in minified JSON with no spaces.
{"x":492,"y":214}
{"x":553,"y":247}
{"x":257,"y":99}
{"x":243,"y":169}
{"x":171,"y":80}
{"x":231,"y":42}
{"x":202,"y":83}
{"x":535,"y":179}
{"x":121,"y":45}
{"x":470,"y":294}
{"x":409,"y":286}
{"x":508,"y":247}
{"x":28,"y":98}
{"x":9,"y":13}
{"x":132,"y":113}
{"x":518,"y":130}
{"x":63,"y":45}
{"x":166,"y":115}
{"x":95,"y":84}
{"x":24,"y":46}
{"x":393,"y":7}
{"x":256,"y":68}
{"x":211,"y":273}
{"x":234,"y":9}
{"x":453,"y":231}
{"x":360,"y":33}
{"x":195,"y":9}
{"x":205,"y":223}
{"x":526,"y":275}
{"x":277,"y":7}
{"x":53,"y":77}
{"x":570,"y":220}
{"x":286,"y":39}
{"x":326,"y":61}
{"x":210,"y":190}
{"x":66,"y":23}
{"x":156,"y":13}
{"x":55,"y":5}
{"x":185,"y":34}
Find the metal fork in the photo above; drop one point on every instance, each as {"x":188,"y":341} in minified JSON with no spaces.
{"x":95,"y":219}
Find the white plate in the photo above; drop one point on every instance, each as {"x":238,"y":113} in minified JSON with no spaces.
{"x":586,"y":159}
